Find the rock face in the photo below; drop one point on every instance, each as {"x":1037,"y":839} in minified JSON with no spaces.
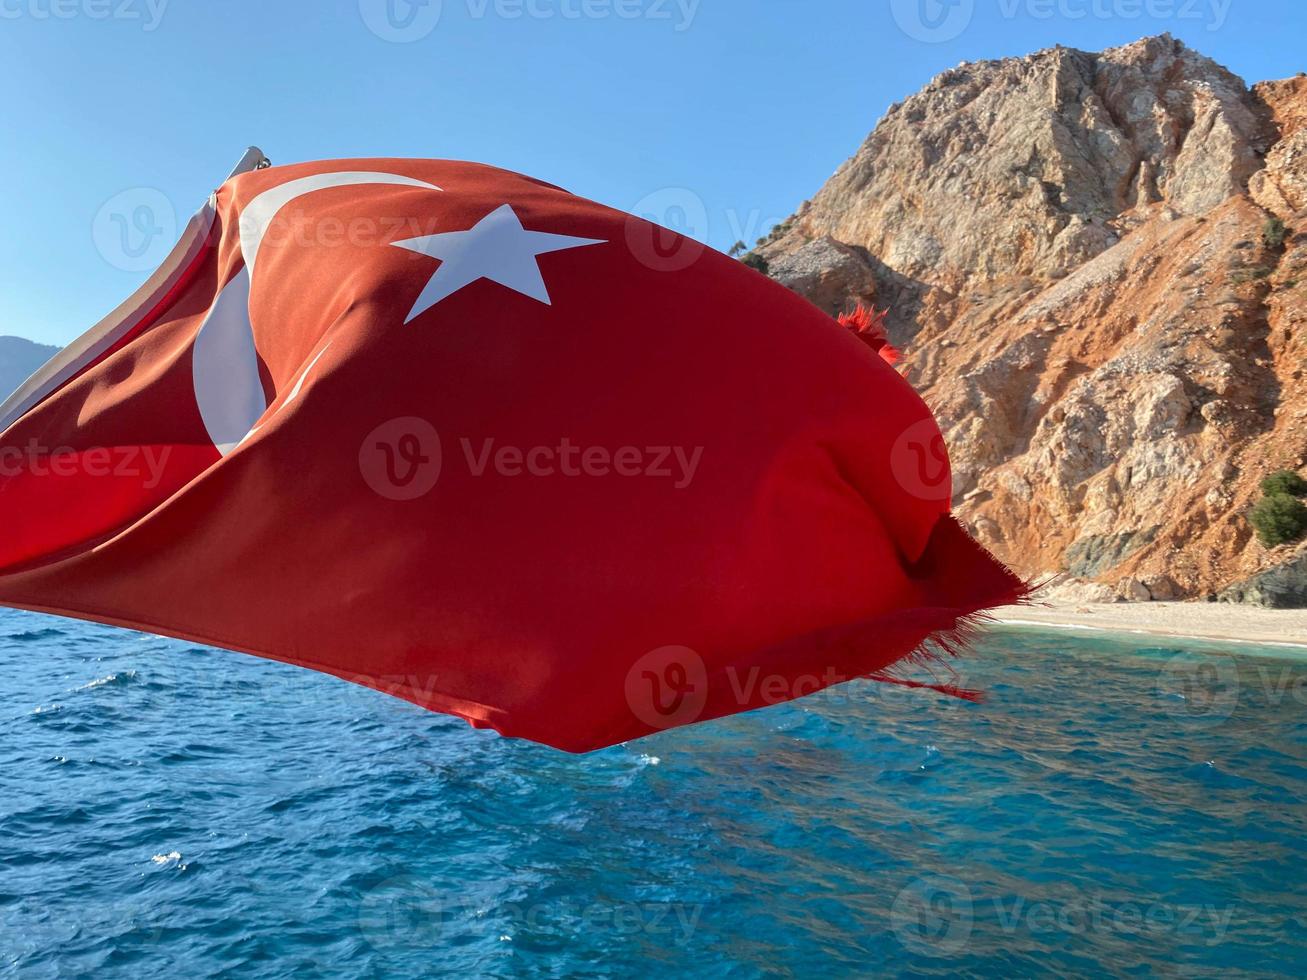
{"x":1088,"y":285}
{"x":1281,"y":587}
{"x":19,"y":359}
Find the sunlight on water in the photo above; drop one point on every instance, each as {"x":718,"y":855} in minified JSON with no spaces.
{"x":1118,"y":804}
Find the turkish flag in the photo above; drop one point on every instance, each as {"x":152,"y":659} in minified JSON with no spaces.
{"x":461,"y":436}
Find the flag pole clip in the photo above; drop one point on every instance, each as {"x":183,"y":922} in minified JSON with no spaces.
{"x":253,"y":159}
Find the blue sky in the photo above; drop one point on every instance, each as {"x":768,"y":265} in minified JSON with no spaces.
{"x":719,"y":115}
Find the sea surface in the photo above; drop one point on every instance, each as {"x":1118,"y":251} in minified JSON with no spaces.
{"x":1119,"y":805}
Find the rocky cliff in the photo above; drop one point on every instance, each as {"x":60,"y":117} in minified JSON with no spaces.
{"x":1096,"y":266}
{"x":19,"y":359}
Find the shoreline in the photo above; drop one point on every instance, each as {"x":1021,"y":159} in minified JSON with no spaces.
{"x":1220,"y":622}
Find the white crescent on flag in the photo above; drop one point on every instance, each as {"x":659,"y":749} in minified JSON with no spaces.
{"x":225,"y":364}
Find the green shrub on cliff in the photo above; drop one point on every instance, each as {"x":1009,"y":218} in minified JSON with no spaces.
{"x":1278,"y":519}
{"x":1273,"y":233}
{"x":1284,"y":481}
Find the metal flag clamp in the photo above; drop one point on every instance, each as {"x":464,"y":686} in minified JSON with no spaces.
{"x":253,"y":159}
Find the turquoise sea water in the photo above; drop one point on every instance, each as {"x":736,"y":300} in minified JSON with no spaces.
{"x":1118,"y":805}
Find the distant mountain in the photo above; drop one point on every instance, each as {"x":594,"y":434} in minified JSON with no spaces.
{"x":1095,"y":268}
{"x":19,"y":358}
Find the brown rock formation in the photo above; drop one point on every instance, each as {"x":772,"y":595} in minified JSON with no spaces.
{"x":1087,"y":286}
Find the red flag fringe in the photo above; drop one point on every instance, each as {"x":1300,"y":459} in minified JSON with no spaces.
{"x":869,"y":327}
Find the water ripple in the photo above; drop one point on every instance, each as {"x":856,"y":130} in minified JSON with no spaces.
{"x":1111,"y":808}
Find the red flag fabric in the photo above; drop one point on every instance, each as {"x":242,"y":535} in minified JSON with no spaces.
{"x":461,"y":436}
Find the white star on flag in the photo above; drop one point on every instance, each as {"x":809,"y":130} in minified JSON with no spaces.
{"x":497,"y":248}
